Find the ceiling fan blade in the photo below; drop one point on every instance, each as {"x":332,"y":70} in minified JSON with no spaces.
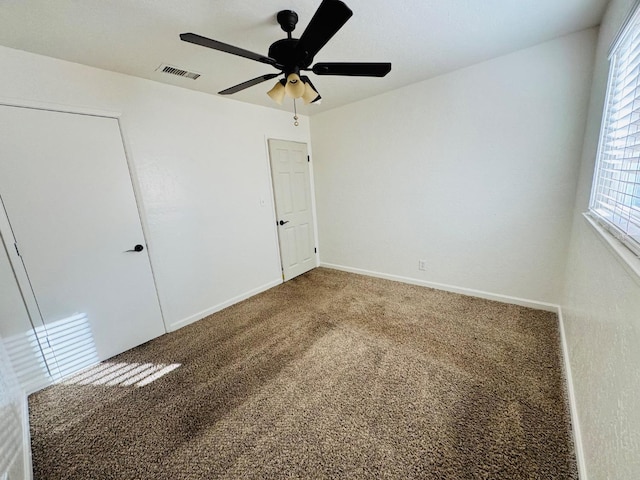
{"x":352,"y":69}
{"x":223,"y":47}
{"x":248,"y":83}
{"x":328,"y":19}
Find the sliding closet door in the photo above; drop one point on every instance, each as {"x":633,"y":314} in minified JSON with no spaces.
{"x":67,"y":192}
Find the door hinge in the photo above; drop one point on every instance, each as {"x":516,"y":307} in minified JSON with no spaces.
{"x":17,"y":251}
{"x":315,"y":250}
{"x":308,"y":158}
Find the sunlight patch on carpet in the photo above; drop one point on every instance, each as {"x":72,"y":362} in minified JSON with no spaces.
{"x":113,"y":374}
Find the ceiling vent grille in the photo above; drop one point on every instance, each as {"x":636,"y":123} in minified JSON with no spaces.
{"x":177,"y":71}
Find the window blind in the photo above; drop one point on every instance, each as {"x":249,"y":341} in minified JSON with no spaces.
{"x":615,"y":198}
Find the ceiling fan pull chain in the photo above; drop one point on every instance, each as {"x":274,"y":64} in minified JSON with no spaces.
{"x":295,"y":114}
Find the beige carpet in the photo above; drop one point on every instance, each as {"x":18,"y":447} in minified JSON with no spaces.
{"x":331,"y":375}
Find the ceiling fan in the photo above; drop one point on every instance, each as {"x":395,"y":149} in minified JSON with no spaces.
{"x":292,"y":55}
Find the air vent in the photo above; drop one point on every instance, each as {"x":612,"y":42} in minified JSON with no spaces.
{"x":177,"y":71}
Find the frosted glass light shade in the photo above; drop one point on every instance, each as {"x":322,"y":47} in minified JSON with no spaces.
{"x":309,"y":94}
{"x":294,"y":87}
{"x":277,"y":93}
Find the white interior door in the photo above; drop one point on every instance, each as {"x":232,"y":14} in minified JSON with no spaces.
{"x":67,"y":191}
{"x":292,"y":191}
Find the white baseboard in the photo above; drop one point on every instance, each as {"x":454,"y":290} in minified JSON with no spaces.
{"x":523,"y":302}
{"x":26,"y":441}
{"x":200,"y":315}
{"x":573,"y":407}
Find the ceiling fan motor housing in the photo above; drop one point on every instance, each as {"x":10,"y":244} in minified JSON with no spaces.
{"x":285,"y":53}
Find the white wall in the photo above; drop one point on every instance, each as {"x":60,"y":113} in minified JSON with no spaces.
{"x":200,"y":167}
{"x":601,"y":308}
{"x":15,"y":454}
{"x":473,"y":172}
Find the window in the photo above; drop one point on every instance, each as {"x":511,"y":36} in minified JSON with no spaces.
{"x":615,"y":196}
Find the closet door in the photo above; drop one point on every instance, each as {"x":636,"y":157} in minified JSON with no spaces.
{"x":67,"y":192}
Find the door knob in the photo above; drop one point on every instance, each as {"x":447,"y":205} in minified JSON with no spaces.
{"x":137,"y":248}
{"x":281,"y":222}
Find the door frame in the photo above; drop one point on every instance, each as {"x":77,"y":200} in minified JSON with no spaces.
{"x":6,"y":232}
{"x":274,"y":213}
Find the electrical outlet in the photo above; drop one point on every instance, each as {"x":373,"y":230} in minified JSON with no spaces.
{"x":422,"y":265}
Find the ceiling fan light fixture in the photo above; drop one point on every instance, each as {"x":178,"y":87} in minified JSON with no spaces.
{"x":277,"y":92}
{"x":295,"y":87}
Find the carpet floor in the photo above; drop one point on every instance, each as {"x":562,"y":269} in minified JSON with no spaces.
{"x":330,"y":375}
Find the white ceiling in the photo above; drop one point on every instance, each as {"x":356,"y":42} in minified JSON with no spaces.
{"x":422,"y":38}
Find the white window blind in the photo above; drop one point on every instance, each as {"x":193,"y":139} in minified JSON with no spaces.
{"x":615,"y":197}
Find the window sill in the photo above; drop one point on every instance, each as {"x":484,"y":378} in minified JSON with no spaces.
{"x":626,"y":257}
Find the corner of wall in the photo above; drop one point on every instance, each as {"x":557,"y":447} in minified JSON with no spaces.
{"x":573,"y":406}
